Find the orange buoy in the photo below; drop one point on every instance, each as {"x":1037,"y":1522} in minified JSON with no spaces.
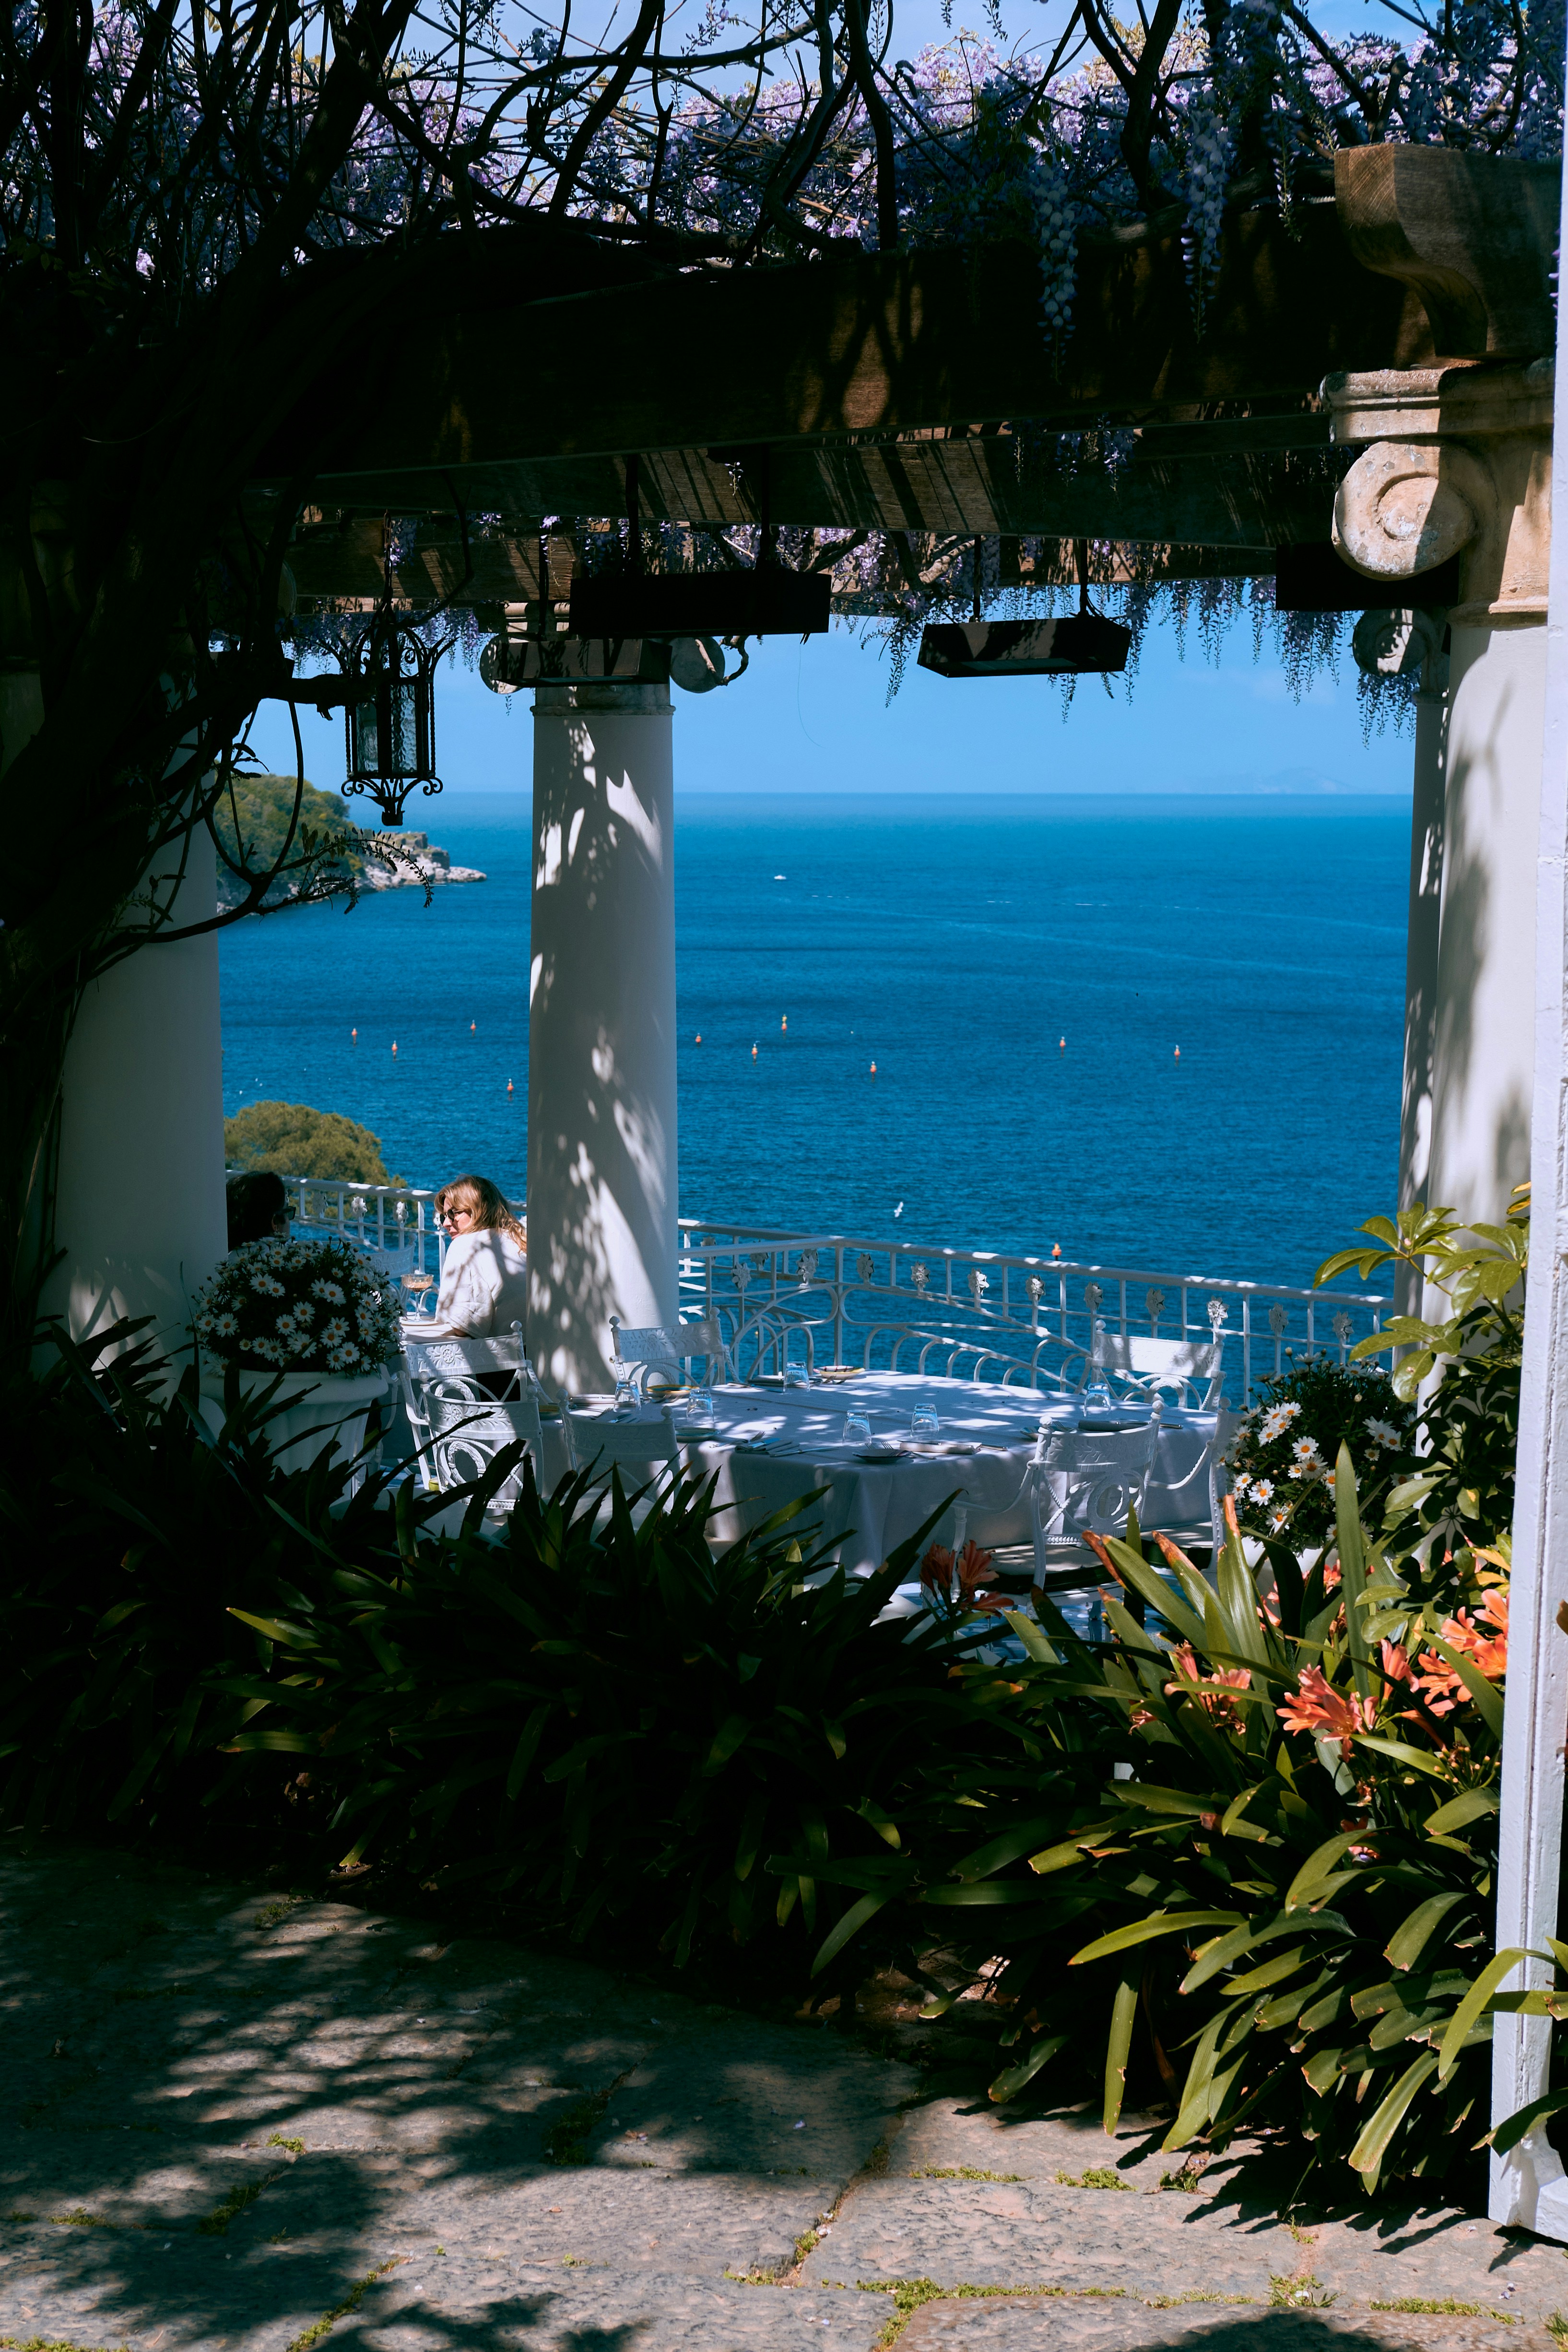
{"x":510,"y":1088}
{"x":353,"y":1033}
{"x":394,"y":1045}
{"x":1056,"y":1249}
{"x":754,"y":1053}
{"x":1062,"y":1041}
{"x":699,"y":1037}
{"x":1178,"y":1053}
{"x":784,"y":1022}
{"x":471,"y":1026}
{"x":874,"y":1069}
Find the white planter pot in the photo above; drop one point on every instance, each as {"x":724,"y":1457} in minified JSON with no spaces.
{"x":331,"y":1411}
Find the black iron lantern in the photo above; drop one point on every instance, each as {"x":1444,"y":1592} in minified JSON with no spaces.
{"x":389,"y":722}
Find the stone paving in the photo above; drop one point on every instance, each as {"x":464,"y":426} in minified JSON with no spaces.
{"x":240,"y":2123}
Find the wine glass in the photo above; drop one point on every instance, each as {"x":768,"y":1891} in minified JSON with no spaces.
{"x":857,"y":1429}
{"x":924,"y":1427}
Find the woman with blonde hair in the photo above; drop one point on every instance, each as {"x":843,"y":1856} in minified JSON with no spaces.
{"x":484,"y":1282}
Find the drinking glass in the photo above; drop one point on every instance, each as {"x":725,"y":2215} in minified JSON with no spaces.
{"x":625,"y":1398}
{"x":857,"y":1429}
{"x":924,"y":1426}
{"x":797,"y":1376}
{"x":699,"y":1409}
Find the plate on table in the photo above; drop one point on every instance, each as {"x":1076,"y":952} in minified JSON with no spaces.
{"x":879,"y":1454}
{"x":942,"y":1445}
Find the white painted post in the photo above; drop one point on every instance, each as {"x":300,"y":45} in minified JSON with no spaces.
{"x":602,"y":1185}
{"x":1528,"y":2186}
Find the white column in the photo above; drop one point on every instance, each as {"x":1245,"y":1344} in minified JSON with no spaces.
{"x":1483,"y":1072}
{"x":601,"y":1026}
{"x":139,"y":1200}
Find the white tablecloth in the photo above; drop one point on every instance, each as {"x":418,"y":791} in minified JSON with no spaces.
{"x":873,"y":1506}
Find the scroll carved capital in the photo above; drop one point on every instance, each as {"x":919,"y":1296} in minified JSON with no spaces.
{"x":1403,"y":507}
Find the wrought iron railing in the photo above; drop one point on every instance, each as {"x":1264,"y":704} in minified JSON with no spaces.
{"x":397,"y":1220}
{"x":832,"y":1298}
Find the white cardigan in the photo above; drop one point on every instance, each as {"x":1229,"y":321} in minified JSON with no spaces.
{"x":484,"y":1287}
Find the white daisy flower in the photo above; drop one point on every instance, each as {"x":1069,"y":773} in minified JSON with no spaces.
{"x":268,"y":1284}
{"x":1385,"y":1433}
{"x":1277,"y":1520}
{"x":223,"y":1327}
{"x":1305,"y":1450}
{"x":1276,"y":1420}
{"x":332,"y":1292}
{"x":1263,"y":1490}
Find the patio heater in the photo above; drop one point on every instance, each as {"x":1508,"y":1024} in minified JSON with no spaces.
{"x":389,"y":722}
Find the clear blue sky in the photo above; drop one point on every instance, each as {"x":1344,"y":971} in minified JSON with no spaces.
{"x":815,"y":717}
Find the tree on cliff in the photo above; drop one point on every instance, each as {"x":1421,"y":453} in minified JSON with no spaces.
{"x":296,"y":1141}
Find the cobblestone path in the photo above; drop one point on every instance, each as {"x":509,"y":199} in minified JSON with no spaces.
{"x":237,"y":2123}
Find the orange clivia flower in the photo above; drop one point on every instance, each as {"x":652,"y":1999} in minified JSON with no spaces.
{"x":1485,"y":1645}
{"x":1396,"y":1663}
{"x":1211,"y":1691}
{"x":973,"y":1565}
{"x":1317,"y":1707}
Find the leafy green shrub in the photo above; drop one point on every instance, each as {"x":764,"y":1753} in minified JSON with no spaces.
{"x":626,"y":1725}
{"x":1295,"y":1883}
{"x":1451,"y":1492}
{"x":1282,"y":1457}
{"x":295,"y":1140}
{"x":127,"y":1529}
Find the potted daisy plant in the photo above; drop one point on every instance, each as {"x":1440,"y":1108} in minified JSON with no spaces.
{"x":308,"y":1320}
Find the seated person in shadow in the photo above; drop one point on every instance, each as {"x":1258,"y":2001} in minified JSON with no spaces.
{"x":258,"y":1208}
{"x":483,"y":1282}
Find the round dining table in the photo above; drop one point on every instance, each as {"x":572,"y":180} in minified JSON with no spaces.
{"x":768,"y":1445}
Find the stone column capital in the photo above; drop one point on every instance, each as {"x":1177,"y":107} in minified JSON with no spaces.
{"x":1454,"y":461}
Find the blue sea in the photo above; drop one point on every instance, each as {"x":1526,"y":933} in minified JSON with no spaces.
{"x":955,"y":941}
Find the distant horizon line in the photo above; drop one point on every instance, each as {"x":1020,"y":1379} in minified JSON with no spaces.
{"x":1274,"y":795}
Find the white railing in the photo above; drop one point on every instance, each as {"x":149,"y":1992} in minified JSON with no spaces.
{"x":832,"y":1298}
{"x":398,"y":1220}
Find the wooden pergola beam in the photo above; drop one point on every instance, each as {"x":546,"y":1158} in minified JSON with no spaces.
{"x":978,"y":485}
{"x":867,"y":345}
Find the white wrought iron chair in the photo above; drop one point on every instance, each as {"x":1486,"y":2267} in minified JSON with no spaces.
{"x":646,"y":1453}
{"x":1147,"y":1366}
{"x":459,"y":1420}
{"x":1084,"y":1483}
{"x":1208,"y":1481}
{"x":667,"y":1349}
